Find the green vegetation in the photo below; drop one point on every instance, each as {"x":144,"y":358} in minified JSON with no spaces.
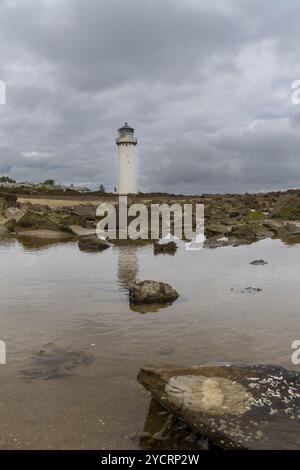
{"x":255,"y":215}
{"x":49,"y":182}
{"x":6,"y":179}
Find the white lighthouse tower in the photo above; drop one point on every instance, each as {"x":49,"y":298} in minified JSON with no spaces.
{"x":126,"y":143}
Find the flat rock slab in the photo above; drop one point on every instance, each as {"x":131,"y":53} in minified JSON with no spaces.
{"x":47,"y":234}
{"x":235,"y":407}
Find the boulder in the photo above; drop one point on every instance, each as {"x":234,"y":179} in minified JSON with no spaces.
{"x":262,"y":231}
{"x":289,"y":233}
{"x":169,"y":248}
{"x":146,"y":292}
{"x":6,"y":201}
{"x":251,"y":232}
{"x":43,"y":208}
{"x":35,"y":220}
{"x":14,"y":213}
{"x":217,"y":229}
{"x":287,"y":207}
{"x":258,"y":262}
{"x":92,"y":243}
{"x":235,"y":407}
{"x":87,"y":212}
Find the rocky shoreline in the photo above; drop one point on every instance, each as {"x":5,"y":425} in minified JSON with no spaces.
{"x":229,"y":219}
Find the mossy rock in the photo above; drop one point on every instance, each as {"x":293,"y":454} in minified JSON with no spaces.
{"x":287,"y":207}
{"x":34,"y":220}
{"x":11,"y":225}
{"x":255,"y":215}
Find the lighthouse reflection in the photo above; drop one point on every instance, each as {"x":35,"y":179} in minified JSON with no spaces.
{"x":128,"y":266}
{"x":128,"y":273}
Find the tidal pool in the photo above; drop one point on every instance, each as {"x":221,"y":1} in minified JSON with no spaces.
{"x":75,"y":345}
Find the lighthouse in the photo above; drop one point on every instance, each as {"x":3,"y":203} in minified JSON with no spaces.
{"x":126,"y":143}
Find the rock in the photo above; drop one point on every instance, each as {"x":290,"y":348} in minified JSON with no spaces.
{"x":234,"y":213}
{"x":261,"y":231}
{"x":287,"y":207}
{"x":217,"y":229}
{"x":35,"y":220}
{"x":14,"y":213}
{"x":6,"y":201}
{"x":44,"y":234}
{"x":92,"y":243}
{"x":10,"y":225}
{"x":162,"y":430}
{"x":146,"y":292}
{"x":169,"y":248}
{"x":289,"y":233}
{"x":235,"y":407}
{"x":245,"y":232}
{"x":43,"y":208}
{"x":87,"y":212}
{"x":249,"y":290}
{"x":258,"y":262}
{"x":53,"y":362}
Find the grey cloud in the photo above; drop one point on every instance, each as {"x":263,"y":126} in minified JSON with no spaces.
{"x":205,"y":84}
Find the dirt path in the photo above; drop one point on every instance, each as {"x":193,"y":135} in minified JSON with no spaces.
{"x":54,"y":203}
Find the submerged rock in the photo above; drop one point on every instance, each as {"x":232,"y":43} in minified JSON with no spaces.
{"x":235,"y":407}
{"x":92,"y":243}
{"x":258,"y":262}
{"x":169,"y":248}
{"x":146,"y":292}
{"x":53,"y":362}
{"x":163,"y":431}
{"x":248,"y":290}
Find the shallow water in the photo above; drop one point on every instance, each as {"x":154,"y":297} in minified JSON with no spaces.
{"x":80,"y":391}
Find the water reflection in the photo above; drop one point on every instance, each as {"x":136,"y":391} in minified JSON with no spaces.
{"x":36,"y":243}
{"x":128,"y":266}
{"x":162,"y":431}
{"x":146,"y":308}
{"x":128,"y":273}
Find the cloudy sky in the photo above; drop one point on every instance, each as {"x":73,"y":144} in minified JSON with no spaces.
{"x":205,"y":83}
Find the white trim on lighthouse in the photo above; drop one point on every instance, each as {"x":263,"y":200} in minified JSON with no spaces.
{"x":126,"y":143}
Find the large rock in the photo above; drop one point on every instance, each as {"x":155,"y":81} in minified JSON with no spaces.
{"x":35,"y":220}
{"x":289,"y":233}
{"x":92,"y":243}
{"x":235,"y":407}
{"x":244,"y":232}
{"x":6,"y":201}
{"x":147,"y":292}
{"x":166,"y":248}
{"x":87,"y":212}
{"x":287,"y":207}
{"x":216,"y":228}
